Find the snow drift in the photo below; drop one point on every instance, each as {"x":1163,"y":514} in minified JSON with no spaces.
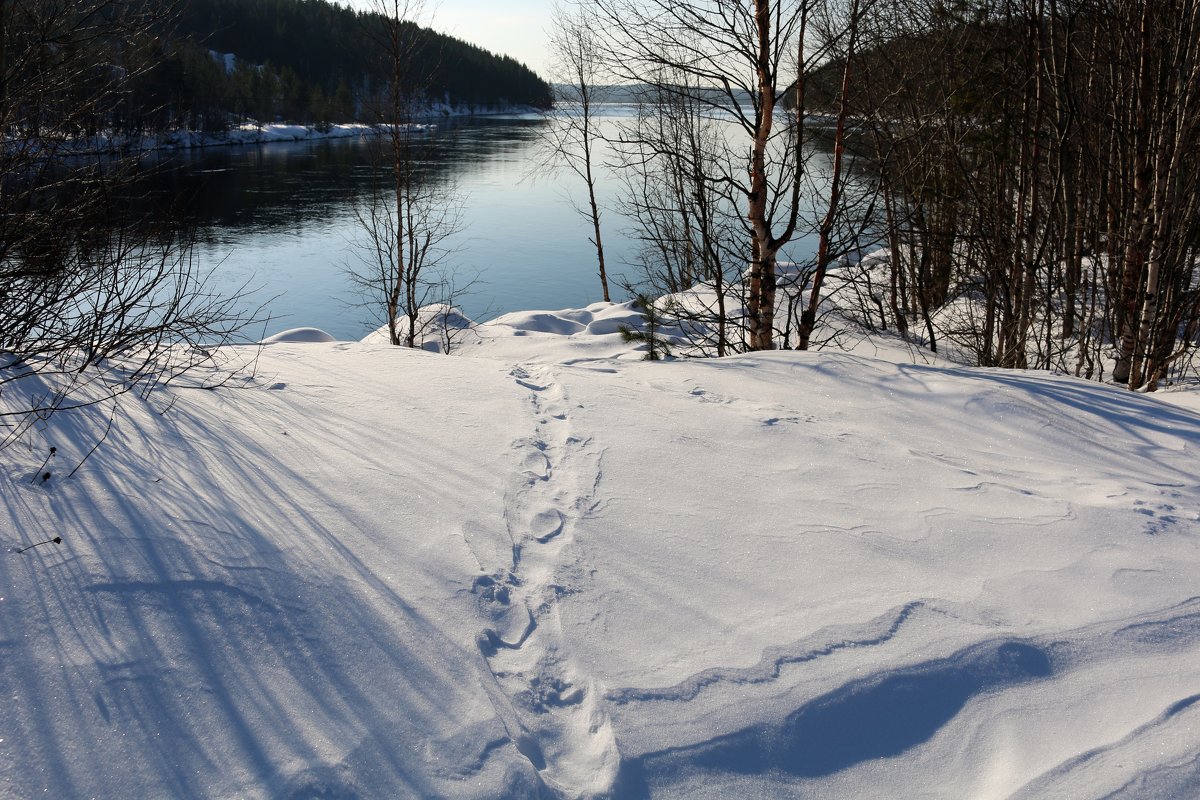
{"x":547,"y":569}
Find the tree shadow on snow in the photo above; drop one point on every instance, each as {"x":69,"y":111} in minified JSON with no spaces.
{"x":219,"y":654}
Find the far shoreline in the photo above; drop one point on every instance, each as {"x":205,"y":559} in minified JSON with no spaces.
{"x":253,"y":133}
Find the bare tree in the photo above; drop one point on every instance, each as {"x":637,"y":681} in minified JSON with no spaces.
{"x":94,"y":300}
{"x":571,"y":134}
{"x":695,"y":243}
{"x":409,"y":217}
{"x":402,"y":267}
{"x":742,"y":61}
{"x":808,"y":318}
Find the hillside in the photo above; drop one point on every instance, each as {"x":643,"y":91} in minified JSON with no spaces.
{"x":544,"y":568}
{"x":307,"y":61}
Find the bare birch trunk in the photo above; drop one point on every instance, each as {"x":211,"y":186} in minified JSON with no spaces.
{"x":760,"y":304}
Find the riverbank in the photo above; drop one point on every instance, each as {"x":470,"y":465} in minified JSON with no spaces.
{"x":253,"y":133}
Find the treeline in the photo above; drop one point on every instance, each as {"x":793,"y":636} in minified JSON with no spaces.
{"x":1038,"y":165}
{"x":1030,"y":168}
{"x":213,"y":63}
{"x":319,"y":50}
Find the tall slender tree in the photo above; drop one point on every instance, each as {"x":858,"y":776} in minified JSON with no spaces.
{"x":408,"y":219}
{"x":571,"y":133}
{"x":742,"y":59}
{"x":808,"y":319}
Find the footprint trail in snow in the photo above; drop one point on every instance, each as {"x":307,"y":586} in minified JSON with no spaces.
{"x":562,"y":726}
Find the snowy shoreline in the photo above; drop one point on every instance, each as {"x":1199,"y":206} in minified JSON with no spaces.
{"x":251,"y":133}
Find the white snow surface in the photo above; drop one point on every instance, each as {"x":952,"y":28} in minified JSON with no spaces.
{"x":295,"y":335}
{"x":544,"y":568}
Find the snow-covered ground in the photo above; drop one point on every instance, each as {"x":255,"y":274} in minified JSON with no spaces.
{"x":546,"y":568}
{"x":252,"y":133}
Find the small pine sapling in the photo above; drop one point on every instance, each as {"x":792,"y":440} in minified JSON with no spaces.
{"x":657,"y":346}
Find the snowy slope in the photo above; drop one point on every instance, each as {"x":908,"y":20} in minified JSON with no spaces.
{"x":547,"y":569}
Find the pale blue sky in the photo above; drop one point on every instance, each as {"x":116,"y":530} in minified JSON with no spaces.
{"x":515,"y":28}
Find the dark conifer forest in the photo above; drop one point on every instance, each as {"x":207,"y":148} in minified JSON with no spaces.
{"x":306,"y":61}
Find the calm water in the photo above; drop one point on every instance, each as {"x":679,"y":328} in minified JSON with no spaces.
{"x":281,"y":218}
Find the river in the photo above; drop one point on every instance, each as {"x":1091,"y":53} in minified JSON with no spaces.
{"x":280,"y":218}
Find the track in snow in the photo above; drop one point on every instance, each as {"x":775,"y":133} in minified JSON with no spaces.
{"x":562,"y":727}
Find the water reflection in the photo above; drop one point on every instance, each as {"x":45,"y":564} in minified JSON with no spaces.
{"x":281,"y":217}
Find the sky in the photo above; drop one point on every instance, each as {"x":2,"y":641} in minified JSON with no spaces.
{"x":515,"y":28}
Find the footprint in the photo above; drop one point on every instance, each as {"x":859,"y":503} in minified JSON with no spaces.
{"x":546,"y":525}
{"x":492,"y":589}
{"x":522,"y":377}
{"x":547,"y":691}
{"x":491,"y":641}
{"x":535,"y":463}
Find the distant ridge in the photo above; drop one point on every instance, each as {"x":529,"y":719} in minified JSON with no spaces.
{"x":313,"y":61}
{"x":631,"y":93}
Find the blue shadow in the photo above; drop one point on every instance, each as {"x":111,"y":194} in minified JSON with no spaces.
{"x":876,"y":717}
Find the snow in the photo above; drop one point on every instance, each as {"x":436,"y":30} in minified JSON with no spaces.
{"x":542,"y":567}
{"x":228,"y":61}
{"x":257,"y":133}
{"x":252,"y":133}
{"x":293,"y":335}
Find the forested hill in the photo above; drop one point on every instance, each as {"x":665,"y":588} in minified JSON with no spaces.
{"x":311,"y":60}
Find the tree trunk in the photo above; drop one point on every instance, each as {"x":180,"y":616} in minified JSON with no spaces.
{"x":760,"y":304}
{"x":808,"y":319}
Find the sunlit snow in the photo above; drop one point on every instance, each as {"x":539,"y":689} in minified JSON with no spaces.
{"x":541,"y":567}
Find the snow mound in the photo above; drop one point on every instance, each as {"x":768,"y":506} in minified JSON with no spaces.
{"x":565,"y":335}
{"x":596,"y":319}
{"x":300,"y":335}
